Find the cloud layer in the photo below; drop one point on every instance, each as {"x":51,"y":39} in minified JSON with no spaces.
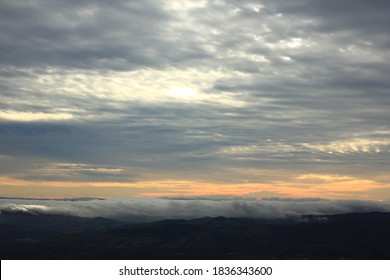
{"x":153,"y":209}
{"x":204,"y":91}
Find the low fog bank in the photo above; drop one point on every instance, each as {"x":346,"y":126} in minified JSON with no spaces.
{"x":154,"y":209}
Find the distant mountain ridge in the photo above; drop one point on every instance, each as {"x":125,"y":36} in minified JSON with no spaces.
{"x":37,"y":222}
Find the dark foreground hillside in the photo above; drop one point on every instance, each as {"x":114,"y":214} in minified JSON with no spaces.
{"x":346,"y":236}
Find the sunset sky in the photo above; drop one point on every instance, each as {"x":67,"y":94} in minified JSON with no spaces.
{"x":154,"y":98}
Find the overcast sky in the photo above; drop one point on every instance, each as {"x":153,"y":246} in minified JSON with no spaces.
{"x":165,"y":98}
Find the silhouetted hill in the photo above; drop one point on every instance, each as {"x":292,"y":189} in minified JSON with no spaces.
{"x":29,"y":223}
{"x":345,"y":236}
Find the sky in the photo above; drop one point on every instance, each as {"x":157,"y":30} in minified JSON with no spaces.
{"x":177,"y":98}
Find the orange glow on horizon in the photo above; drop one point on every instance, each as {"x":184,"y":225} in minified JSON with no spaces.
{"x":303,"y":186}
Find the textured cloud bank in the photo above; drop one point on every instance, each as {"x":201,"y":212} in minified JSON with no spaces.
{"x":151,"y":209}
{"x":191,"y":90}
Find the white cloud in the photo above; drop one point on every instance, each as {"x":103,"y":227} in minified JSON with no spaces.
{"x":352,"y":146}
{"x":149,"y":209}
{"x":33,"y":116}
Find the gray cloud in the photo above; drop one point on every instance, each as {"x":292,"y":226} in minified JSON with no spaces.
{"x":86,"y":34}
{"x":144,"y":209}
{"x":284,"y":85}
{"x":365,"y":17}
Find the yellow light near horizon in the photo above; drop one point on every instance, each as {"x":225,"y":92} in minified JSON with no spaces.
{"x":32,"y":116}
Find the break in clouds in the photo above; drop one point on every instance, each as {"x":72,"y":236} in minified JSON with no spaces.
{"x":153,"y":209}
